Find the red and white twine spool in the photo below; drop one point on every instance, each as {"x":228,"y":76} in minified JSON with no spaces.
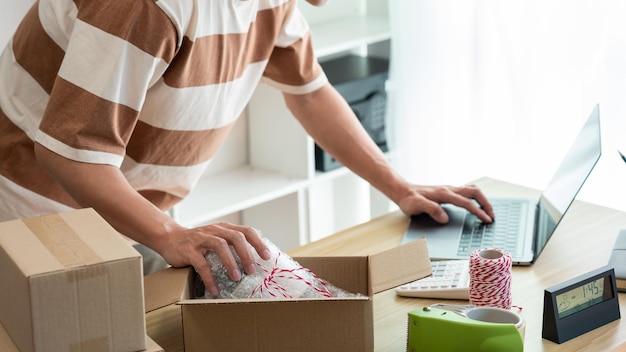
{"x":490,"y":278}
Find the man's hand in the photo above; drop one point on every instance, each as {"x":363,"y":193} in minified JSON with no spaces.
{"x":428,"y":199}
{"x":190,"y":246}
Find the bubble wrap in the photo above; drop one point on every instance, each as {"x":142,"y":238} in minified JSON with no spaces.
{"x":279,"y":277}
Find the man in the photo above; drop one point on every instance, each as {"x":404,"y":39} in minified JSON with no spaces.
{"x":132,"y":98}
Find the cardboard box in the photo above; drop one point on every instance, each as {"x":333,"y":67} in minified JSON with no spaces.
{"x":335,"y":324}
{"x":70,"y":282}
{"x":7,"y":345}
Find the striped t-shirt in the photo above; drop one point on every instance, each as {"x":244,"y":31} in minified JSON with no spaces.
{"x":151,"y":87}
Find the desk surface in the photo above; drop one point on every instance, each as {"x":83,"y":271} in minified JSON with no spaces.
{"x":582,"y":242}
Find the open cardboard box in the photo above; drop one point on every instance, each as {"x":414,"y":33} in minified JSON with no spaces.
{"x":334,"y":324}
{"x":70,"y":282}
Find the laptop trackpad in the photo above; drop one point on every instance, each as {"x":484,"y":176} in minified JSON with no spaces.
{"x":438,"y":236}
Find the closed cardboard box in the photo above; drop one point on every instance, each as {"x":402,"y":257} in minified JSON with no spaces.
{"x":70,"y":282}
{"x":324,"y":324}
{"x":7,"y":345}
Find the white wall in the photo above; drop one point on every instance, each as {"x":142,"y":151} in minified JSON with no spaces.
{"x":10,"y":16}
{"x":501,"y":88}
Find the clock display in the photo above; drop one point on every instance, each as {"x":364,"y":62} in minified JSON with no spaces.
{"x":580,"y":305}
{"x":583,"y":297}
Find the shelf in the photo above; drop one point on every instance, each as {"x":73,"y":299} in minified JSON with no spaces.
{"x":216,"y":196}
{"x":348,"y":33}
{"x":332,"y":174}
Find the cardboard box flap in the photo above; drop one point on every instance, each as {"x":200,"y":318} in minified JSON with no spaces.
{"x":399,"y":265}
{"x":152,"y":346}
{"x":167,"y":287}
{"x":347,"y":273}
{"x":6,"y":344}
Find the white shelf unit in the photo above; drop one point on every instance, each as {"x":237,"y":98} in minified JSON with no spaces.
{"x":272,"y":183}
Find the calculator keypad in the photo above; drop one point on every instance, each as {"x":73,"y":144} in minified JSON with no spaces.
{"x":450,"y":280}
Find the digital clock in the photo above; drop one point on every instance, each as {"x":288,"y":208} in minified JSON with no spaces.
{"x":583,"y":297}
{"x":580,"y":305}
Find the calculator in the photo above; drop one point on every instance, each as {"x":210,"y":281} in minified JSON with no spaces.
{"x":450,"y":280}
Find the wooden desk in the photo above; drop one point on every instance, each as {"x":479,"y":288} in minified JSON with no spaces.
{"x":582,"y":242}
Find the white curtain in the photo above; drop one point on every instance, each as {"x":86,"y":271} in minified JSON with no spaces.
{"x":500,"y":88}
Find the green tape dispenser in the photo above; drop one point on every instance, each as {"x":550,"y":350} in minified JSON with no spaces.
{"x":453,"y":328}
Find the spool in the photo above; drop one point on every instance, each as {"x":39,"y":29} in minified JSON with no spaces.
{"x":490,"y":278}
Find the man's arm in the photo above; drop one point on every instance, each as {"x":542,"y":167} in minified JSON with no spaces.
{"x":328,"y":118}
{"x":104,"y":188}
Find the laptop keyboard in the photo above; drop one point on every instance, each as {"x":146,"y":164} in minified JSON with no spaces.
{"x":502,"y":233}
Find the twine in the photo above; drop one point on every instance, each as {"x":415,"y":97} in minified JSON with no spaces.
{"x":490,"y":278}
{"x":275,"y":289}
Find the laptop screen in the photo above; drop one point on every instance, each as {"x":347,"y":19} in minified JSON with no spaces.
{"x":568,"y":179}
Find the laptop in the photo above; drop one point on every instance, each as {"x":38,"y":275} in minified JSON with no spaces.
{"x":522,"y":226}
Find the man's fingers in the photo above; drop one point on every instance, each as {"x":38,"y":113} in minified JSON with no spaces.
{"x":473,"y":192}
{"x":204,"y":270}
{"x":253,"y":237}
{"x":222,"y":249}
{"x":439,"y":215}
{"x":467,"y":197}
{"x":241,"y":237}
